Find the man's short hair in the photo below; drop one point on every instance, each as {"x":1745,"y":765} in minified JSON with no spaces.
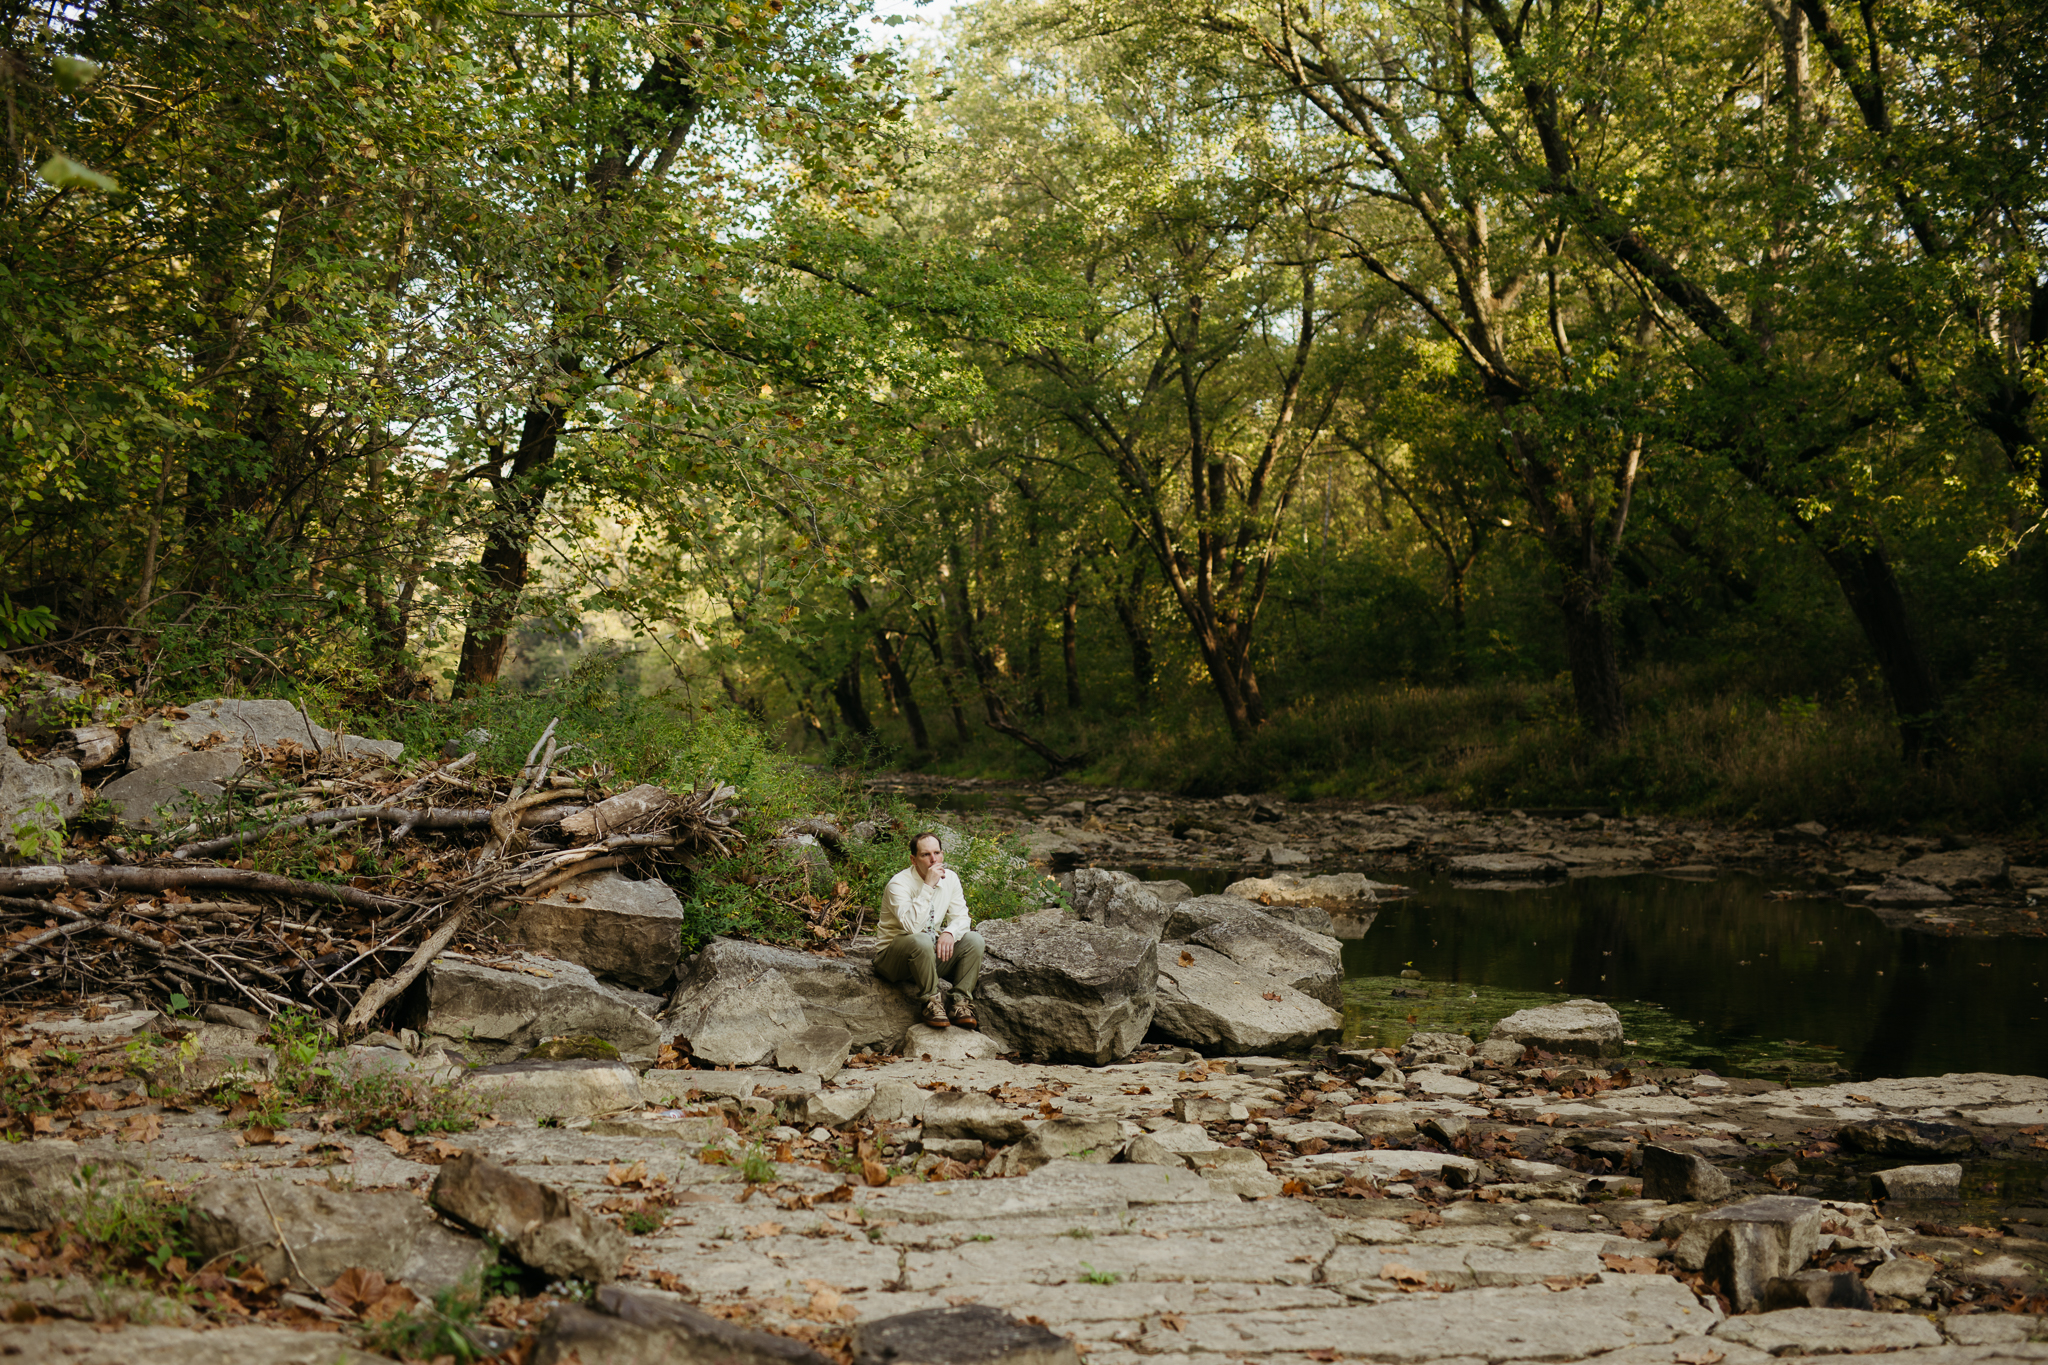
{"x":923,"y":835}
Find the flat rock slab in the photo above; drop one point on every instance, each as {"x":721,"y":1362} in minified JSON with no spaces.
{"x":330,"y":1231}
{"x":1505,"y":866}
{"x":839,"y":991}
{"x":241,"y":724}
{"x":148,"y":796}
{"x":1586,"y":1027}
{"x":1310,"y":962}
{"x":1531,"y":1323}
{"x":1289,"y":888}
{"x":79,"y":1343}
{"x":556,"y":1090}
{"x":1829,"y":1331}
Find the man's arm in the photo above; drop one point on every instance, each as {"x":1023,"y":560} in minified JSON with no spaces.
{"x":896,"y":899}
{"x":957,"y":922}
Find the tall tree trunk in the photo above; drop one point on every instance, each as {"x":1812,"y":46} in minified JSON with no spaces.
{"x":507,"y":544}
{"x":895,"y":677}
{"x":1128,"y":601}
{"x":1865,"y":572}
{"x":1589,"y":647}
{"x":846,"y":695}
{"x":1069,"y":630}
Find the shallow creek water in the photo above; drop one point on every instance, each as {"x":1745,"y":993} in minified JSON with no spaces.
{"x":1712,"y":973}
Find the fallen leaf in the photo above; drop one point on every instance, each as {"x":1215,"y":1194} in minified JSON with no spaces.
{"x":1639,"y":1232}
{"x":874,"y":1172}
{"x":1396,"y":1273}
{"x":256,"y":1135}
{"x":1275,"y":995}
{"x":142,"y":1128}
{"x":635,"y":1174}
{"x":1177,"y":1322}
{"x":1296,"y":1187}
{"x":395,"y":1140}
{"x":356,"y":1289}
{"x":1187,"y":959}
{"x":397,"y":1299}
{"x":1321,"y":1353}
{"x":760,"y":1230}
{"x":1424,"y":1218}
{"x":1557,"y":1284}
{"x":1632,"y":1265}
{"x":1153,"y":1233}
{"x":1701,"y":1358}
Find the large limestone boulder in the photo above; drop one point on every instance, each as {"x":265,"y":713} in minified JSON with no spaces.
{"x":35,"y":801}
{"x":498,"y":1011}
{"x":1291,"y":888}
{"x":1189,"y":917}
{"x":240,"y":724}
{"x":1311,"y":963}
{"x":165,"y":792}
{"x":834,"y":990}
{"x":1586,"y":1027}
{"x":621,"y":929}
{"x":1065,"y":989}
{"x":1119,"y":900}
{"x":738,"y":1019}
{"x":1207,"y":1000}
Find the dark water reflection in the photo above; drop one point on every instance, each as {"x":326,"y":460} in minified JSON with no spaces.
{"x":1743,"y":970}
{"x":1715,"y":973}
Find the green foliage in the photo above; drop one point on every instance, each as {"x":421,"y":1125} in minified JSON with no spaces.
{"x":1094,"y":1276}
{"x":756,"y":1168}
{"x":129,"y":1224}
{"x":436,"y":1330}
{"x":21,"y":625}
{"x":309,"y":1078}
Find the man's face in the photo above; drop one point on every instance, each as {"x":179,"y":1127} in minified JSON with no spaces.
{"x":927,"y":857}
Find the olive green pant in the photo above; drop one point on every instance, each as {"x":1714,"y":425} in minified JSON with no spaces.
{"x":913,"y":959}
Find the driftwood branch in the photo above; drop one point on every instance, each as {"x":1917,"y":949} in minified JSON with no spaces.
{"x":94,"y":876}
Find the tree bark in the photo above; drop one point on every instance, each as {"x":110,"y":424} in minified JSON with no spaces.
{"x":846,"y":694}
{"x":1864,"y":571}
{"x":1069,"y":630}
{"x":507,"y":543}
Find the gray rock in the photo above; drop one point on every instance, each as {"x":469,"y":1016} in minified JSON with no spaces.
{"x":541,"y":1224}
{"x":1919,"y":1182}
{"x":1435,"y":1049}
{"x":39,"y":704}
{"x":1279,"y":855}
{"x":739,"y":1020}
{"x":1170,"y":893}
{"x":329,"y":1231}
{"x":1960,"y":869}
{"x":1499,"y":1052}
{"x":643,"y":1327}
{"x":1815,"y":1289}
{"x":950,"y":1044}
{"x":958,"y":1149}
{"x":232,"y":1017}
{"x":1210,"y":1001}
{"x":1062,"y":1139}
{"x":1682,"y":1177}
{"x":1585,"y":1027}
{"x":242,"y":724}
{"x":36,"y":799}
{"x":1065,"y":989}
{"x":837,"y":1108}
{"x":1746,"y":1245}
{"x":966,"y":1334}
{"x":1905,"y":891}
{"x":1906,"y":1137}
{"x":39,"y":1179}
{"x":818,"y":1050}
{"x":1311,"y":963}
{"x":971,"y":1114}
{"x":629,"y":931}
{"x":556,"y":1090}
{"x":1902,"y":1278}
{"x":1287,"y":888}
{"x":498,"y":1013}
{"x":1829,"y":1331}
{"x":898,"y":1102}
{"x":842,"y":991}
{"x":147,"y":797}
{"x":1189,"y":917}
{"x":1504,"y":867}
{"x":1118,"y":900}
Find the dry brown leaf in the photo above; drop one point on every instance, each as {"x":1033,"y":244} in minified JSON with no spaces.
{"x":1177,"y":1322}
{"x":1640,"y":1232}
{"x":356,"y":1289}
{"x":1701,"y":1358}
{"x":760,"y":1230}
{"x":1396,"y":1273}
{"x":1187,"y":959}
{"x":1632,"y":1265}
{"x":1557,"y":1284}
{"x":1269,"y":995}
{"x":874,"y":1172}
{"x":635,"y":1174}
{"x":1153,"y":1233}
{"x":256,"y":1135}
{"x":395,"y":1140}
{"x":142,"y":1128}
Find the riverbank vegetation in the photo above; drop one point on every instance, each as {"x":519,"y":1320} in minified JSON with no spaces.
{"x":1504,"y":405}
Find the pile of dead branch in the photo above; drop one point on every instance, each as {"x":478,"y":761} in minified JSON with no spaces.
{"x":202,"y":919}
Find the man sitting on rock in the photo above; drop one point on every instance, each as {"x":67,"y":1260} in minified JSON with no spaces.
{"x":925,"y":935}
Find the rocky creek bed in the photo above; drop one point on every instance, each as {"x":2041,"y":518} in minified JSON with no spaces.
{"x":1450,"y":1202}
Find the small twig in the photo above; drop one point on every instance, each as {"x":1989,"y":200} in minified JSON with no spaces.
{"x":278,"y":1228}
{"x":568,"y":874}
{"x":61,"y":931}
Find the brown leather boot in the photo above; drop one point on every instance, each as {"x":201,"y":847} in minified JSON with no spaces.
{"x":963,"y":1012}
{"x":935,"y":1013}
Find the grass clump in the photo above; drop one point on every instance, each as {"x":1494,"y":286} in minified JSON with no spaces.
{"x":372,"y":1102}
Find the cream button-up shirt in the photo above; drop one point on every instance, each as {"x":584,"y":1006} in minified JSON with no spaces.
{"x":911,"y":907}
